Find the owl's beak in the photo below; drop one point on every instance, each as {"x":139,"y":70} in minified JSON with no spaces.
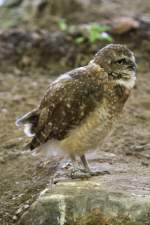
{"x":132,"y":66}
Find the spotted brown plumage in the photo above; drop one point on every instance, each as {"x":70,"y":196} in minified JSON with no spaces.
{"x":81,"y":106}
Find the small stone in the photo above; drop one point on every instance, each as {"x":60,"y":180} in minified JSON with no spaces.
{"x":2,"y":160}
{"x":124,"y":24}
{"x":14,"y":218}
{"x":20,"y":195}
{"x":4,"y":110}
{"x":26,"y":61}
{"x":17,"y":71}
{"x":19,"y":211}
{"x":145,"y":164}
{"x":26,"y":206}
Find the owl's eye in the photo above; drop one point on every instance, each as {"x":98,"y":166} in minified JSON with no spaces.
{"x":121,"y":61}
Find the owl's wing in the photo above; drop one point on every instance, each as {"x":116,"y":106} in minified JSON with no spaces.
{"x":67,"y":102}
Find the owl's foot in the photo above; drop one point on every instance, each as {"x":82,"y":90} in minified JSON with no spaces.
{"x":88,"y":170}
{"x":98,"y":173}
{"x":80,"y":174}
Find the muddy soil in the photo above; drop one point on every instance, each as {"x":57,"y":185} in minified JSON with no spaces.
{"x":24,"y":174}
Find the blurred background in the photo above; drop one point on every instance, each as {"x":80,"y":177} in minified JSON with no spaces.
{"x":41,"y":39}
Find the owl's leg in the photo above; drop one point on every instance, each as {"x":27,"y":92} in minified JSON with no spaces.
{"x":88,"y":170}
{"x":78,"y":172}
{"x":74,"y":163}
{"x":85,"y":163}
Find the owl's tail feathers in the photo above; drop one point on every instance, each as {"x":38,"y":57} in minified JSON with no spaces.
{"x":29,"y":121}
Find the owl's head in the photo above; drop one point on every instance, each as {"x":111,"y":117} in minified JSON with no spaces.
{"x":118,"y":61}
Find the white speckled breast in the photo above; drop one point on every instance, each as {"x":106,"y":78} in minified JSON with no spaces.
{"x":91,"y":133}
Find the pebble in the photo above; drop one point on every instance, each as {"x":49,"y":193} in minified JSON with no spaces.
{"x":2,"y":160}
{"x":14,"y":218}
{"x":26,"y":206}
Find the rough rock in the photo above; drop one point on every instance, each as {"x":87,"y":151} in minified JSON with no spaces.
{"x":124,"y":24}
{"x":93,"y":202}
{"x":22,"y":50}
{"x":38,"y":51}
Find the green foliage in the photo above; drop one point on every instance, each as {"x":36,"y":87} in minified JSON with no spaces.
{"x":62,"y":25}
{"x":98,"y":32}
{"x":94,"y":32}
{"x":79,"y":40}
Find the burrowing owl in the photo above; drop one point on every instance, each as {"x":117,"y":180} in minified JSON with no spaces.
{"x":80,"y":107}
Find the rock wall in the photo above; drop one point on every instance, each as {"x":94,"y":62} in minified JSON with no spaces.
{"x":87,"y":203}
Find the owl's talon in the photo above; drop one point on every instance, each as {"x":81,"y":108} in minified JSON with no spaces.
{"x":98,"y":173}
